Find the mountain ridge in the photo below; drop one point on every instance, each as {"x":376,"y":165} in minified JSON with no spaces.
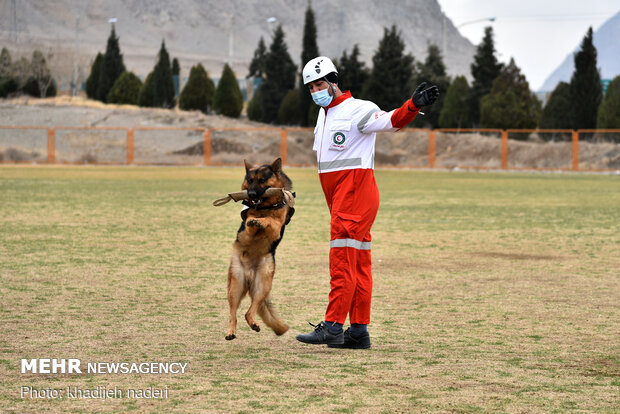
{"x":606,"y":40}
{"x":200,"y":31}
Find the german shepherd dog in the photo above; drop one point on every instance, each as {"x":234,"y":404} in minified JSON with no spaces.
{"x":252,"y":264}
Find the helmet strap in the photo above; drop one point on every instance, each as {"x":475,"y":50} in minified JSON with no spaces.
{"x":331,"y":85}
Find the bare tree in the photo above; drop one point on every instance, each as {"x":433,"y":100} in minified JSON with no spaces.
{"x":63,"y":63}
{"x":5,"y":63}
{"x":41,"y":72}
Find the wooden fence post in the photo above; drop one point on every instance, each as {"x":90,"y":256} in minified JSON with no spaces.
{"x":51,"y":145}
{"x":283,"y":146}
{"x":130,"y":146}
{"x":504,"y":149}
{"x":431,"y":148}
{"x":575,"y":150}
{"x":206,"y":147}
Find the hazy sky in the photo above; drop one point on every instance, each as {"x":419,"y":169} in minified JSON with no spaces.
{"x":538,"y":34}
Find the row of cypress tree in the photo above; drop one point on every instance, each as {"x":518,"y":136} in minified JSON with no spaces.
{"x":498,"y":97}
{"x":110,"y":82}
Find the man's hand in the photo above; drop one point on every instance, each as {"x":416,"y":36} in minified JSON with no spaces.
{"x":423,"y":97}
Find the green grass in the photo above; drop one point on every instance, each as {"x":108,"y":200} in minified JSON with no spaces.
{"x":492,"y":293}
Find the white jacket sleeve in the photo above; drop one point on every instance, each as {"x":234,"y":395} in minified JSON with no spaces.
{"x":376,"y":120}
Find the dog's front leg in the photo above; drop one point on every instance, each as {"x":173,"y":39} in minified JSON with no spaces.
{"x":273,"y":229}
{"x":254,"y":225}
{"x":270,"y":225}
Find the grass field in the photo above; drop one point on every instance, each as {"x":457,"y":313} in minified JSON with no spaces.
{"x":493,"y":293}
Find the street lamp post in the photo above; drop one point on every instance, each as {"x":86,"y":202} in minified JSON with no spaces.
{"x":230,"y":39}
{"x":74,"y":73}
{"x":270,"y":22}
{"x":485,"y":19}
{"x":445,"y":24}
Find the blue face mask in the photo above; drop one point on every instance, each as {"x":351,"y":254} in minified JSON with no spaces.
{"x":322,"y":98}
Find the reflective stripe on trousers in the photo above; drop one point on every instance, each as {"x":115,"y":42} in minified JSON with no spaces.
{"x":356,"y":244}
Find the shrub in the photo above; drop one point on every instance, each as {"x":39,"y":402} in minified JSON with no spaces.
{"x":255,"y":106}
{"x":112,"y":67}
{"x":313,"y":114}
{"x":147,"y":92}
{"x":455,"y":111}
{"x":485,"y":69}
{"x":388,"y":83}
{"x":7,"y":87}
{"x":228,"y":96}
{"x":609,"y":111}
{"x":198,"y":91}
{"x":163,"y":92}
{"x":21,"y":70}
{"x":176,"y":76}
{"x":556,"y":113}
{"x":32,"y":88}
{"x":92,"y":83}
{"x":510,"y":104}
{"x":432,"y":70}
{"x":352,"y":73}
{"x":257,"y":65}
{"x":288,"y":114}
{"x":52,"y":90}
{"x":126,"y":89}
{"x":280,"y":73}
{"x":586,"y":91}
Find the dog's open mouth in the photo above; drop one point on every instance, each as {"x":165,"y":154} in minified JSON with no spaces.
{"x":257,"y":199}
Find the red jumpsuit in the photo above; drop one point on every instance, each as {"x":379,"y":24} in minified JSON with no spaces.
{"x":345,"y":143}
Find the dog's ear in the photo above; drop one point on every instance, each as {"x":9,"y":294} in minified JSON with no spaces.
{"x":276,"y":165}
{"x":248,"y":167}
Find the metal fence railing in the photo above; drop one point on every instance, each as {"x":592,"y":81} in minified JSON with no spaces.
{"x":557,"y":149}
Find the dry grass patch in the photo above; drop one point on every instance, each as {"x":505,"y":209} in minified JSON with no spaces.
{"x":492,"y":293}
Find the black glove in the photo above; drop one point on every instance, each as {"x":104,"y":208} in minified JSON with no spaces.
{"x":422,"y":97}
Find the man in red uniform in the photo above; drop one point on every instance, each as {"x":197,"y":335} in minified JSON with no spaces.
{"x":344,"y":139}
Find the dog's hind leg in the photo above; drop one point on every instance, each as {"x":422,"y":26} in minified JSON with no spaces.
{"x":260,"y":288}
{"x":269,"y":315}
{"x":237,"y":288}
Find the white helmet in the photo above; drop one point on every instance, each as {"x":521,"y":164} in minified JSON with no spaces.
{"x":318,"y":68}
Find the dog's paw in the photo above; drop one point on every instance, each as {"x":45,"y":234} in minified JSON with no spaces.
{"x":254,"y":223}
{"x":255,"y":327}
{"x":230,"y":337}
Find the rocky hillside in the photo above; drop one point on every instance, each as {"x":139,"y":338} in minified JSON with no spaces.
{"x":208,"y":31}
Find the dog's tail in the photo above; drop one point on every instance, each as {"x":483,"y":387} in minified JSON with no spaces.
{"x":269,"y":315}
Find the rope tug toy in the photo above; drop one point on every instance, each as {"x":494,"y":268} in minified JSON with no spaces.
{"x":288,"y":197}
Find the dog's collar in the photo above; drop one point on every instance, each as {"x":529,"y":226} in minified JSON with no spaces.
{"x":261,"y":207}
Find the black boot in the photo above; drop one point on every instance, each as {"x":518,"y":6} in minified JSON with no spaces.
{"x":321,"y":335}
{"x":351,"y":342}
